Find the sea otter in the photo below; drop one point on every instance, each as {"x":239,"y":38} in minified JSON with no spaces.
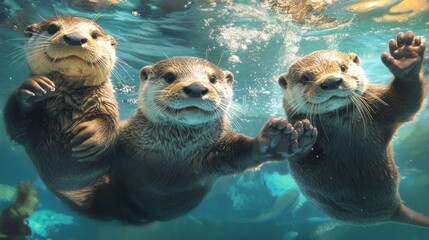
{"x":65,"y":114}
{"x":170,"y":153}
{"x":350,"y":173}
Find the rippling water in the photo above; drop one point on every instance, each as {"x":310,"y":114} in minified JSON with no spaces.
{"x":257,"y":44}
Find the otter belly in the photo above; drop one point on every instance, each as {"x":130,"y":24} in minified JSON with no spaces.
{"x":50,"y":148}
{"x":353,"y":182}
{"x":165,"y":206}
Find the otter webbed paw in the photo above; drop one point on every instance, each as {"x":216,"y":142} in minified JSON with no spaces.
{"x":278,"y":139}
{"x":89,"y":142}
{"x":307,"y":135}
{"x":34,"y":89}
{"x":406,"y":55}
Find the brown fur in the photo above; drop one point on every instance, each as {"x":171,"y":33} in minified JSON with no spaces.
{"x":350,"y":174}
{"x":167,"y":160}
{"x":45,"y":126}
{"x":167,"y":168}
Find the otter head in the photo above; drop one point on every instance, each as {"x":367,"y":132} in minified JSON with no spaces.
{"x":76,"y":48}
{"x":322,"y":82}
{"x":185,"y":91}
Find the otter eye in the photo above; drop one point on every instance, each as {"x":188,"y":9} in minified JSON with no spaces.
{"x":95,"y":35}
{"x":213,"y":79}
{"x":343,"y":68}
{"x":304,"y":78}
{"x":170,"y":77}
{"x":52,"y":29}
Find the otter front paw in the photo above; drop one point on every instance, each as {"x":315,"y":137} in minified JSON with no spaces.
{"x":89,"y":142}
{"x":307,"y":135}
{"x":277,"y":139}
{"x":34,"y":89}
{"x":406,"y":55}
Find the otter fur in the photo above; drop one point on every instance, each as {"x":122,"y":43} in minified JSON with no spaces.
{"x":170,"y":153}
{"x":65,"y":114}
{"x":350,"y":174}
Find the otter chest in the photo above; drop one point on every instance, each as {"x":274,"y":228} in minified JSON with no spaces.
{"x":66,"y":108}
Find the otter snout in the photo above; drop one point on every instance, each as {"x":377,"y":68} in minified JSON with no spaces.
{"x":75,"y":39}
{"x":195,"y":90}
{"x":331,"y":83}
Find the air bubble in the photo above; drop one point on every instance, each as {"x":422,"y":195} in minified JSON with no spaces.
{"x":135,"y":13}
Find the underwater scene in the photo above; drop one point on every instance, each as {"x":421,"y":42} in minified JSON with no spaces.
{"x":257,"y":41}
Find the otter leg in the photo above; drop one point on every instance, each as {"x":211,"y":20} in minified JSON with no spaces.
{"x":20,"y":104}
{"x":406,"y":92}
{"x":277,"y":140}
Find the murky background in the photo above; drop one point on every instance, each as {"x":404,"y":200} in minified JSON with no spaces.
{"x":256,"y":40}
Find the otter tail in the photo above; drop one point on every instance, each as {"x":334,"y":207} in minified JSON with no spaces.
{"x":407,"y":216}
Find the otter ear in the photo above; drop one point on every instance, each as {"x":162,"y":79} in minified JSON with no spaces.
{"x":30,"y":30}
{"x":355,"y":58}
{"x":282,"y":81}
{"x":229,"y":77}
{"x":112,"y":41}
{"x":146,"y":73}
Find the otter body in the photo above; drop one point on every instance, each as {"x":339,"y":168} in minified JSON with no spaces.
{"x":350,"y":173}
{"x":170,"y":153}
{"x":65,"y":114}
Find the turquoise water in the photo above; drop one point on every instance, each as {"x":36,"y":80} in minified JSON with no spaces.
{"x":257,"y":44}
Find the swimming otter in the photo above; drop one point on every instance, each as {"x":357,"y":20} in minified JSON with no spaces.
{"x":65,"y":114}
{"x":170,"y":153}
{"x":350,"y":174}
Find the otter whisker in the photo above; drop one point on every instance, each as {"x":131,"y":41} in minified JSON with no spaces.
{"x":323,"y":127}
{"x":297,"y":109}
{"x":368,"y":109}
{"x":377,"y":98}
{"x":231,"y":116}
{"x":361,"y":111}
{"x":220,"y":59}
{"x":96,"y":17}
{"x":121,"y":63}
{"x":294,"y":101}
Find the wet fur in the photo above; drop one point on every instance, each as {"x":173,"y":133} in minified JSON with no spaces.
{"x":45,"y":130}
{"x":164,"y":168}
{"x":350,"y":174}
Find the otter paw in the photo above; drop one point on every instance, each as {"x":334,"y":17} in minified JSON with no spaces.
{"x":88,"y":143}
{"x":307,"y":135}
{"x":277,"y":139}
{"x":406,"y":55}
{"x":34,"y":89}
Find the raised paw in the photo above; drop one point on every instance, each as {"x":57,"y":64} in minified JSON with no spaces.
{"x":406,"y":55}
{"x":88,"y":143}
{"x":277,"y":139}
{"x":307,"y":135}
{"x":34,"y":89}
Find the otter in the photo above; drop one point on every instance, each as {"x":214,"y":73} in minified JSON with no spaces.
{"x":350,"y":174}
{"x":169,"y":154}
{"x":65,"y":114}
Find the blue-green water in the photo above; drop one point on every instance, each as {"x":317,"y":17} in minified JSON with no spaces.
{"x":257,"y":45}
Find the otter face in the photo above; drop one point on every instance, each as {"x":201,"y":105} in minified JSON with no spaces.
{"x":77,"y":48}
{"x":322,"y":82}
{"x":185,"y":90}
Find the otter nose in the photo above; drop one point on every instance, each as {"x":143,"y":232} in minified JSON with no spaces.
{"x":331,"y":83}
{"x":195,"y":90}
{"x":75,"y":39}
